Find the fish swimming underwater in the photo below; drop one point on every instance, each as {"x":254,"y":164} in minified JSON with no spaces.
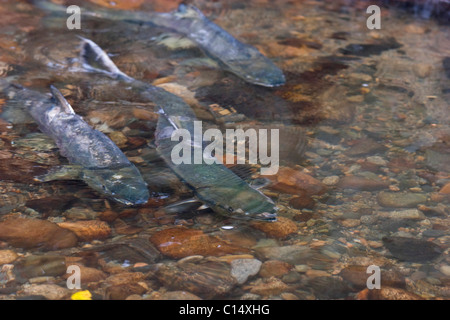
{"x":93,"y":157}
{"x":243,"y":60}
{"x":214,"y":184}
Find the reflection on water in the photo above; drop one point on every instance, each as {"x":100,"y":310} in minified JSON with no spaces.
{"x":371,"y":186}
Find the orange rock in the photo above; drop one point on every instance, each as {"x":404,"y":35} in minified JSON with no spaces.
{"x":387,"y":293}
{"x":268,"y":287}
{"x":279,"y":229}
{"x":32,"y":233}
{"x":119,"y":4}
{"x":445,"y":189}
{"x":275,"y":268}
{"x":182,"y":242}
{"x":87,"y":230}
{"x":292,"y":181}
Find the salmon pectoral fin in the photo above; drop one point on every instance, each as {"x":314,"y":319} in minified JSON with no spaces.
{"x":66,"y":172}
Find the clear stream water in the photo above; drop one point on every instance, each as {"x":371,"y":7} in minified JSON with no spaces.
{"x":371,"y":187}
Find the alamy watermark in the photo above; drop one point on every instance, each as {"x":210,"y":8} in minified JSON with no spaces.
{"x":74,"y":20}
{"x":191,"y":150}
{"x":374,"y":20}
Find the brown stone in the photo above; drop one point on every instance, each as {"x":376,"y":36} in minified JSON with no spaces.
{"x":274,"y":268}
{"x":292,"y":181}
{"x":88,"y":230}
{"x":303,"y":202}
{"x":361,"y":183}
{"x":387,"y":293}
{"x":122,"y":291}
{"x":278,"y":229}
{"x":7,"y":256}
{"x":182,"y":242}
{"x":32,"y":233}
{"x":268,"y":287}
{"x":445,"y":189}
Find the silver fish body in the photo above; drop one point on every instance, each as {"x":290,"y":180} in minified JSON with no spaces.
{"x":103,"y":166}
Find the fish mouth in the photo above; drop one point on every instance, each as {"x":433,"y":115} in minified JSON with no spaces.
{"x":266,"y":216}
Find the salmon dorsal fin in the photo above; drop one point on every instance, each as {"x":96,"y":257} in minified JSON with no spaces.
{"x":60,"y":100}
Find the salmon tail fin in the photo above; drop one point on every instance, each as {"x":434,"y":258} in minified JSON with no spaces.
{"x":94,"y":59}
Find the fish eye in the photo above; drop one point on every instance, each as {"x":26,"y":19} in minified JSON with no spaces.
{"x":230,"y":209}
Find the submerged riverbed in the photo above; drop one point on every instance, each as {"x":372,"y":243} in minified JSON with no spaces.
{"x":364,"y":176}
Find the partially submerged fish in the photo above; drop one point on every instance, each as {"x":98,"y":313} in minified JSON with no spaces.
{"x":239,"y":58}
{"x":93,"y":157}
{"x":214,"y":184}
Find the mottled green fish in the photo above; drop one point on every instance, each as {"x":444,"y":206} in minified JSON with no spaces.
{"x":214,"y":184}
{"x":93,"y":157}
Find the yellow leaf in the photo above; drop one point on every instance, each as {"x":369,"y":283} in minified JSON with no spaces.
{"x":82,"y":295}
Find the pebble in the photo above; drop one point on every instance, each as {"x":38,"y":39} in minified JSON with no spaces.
{"x":445,"y":269}
{"x":32,"y":233}
{"x":278,"y":229}
{"x":39,"y":266}
{"x":361,"y":183}
{"x":89,"y":275}
{"x":400,"y":199}
{"x":7,"y":256}
{"x":241,"y":269}
{"x":350,"y":223}
{"x":303,"y":202}
{"x":363,"y":147}
{"x":121,"y":292}
{"x":387,"y":293}
{"x":410,"y":249}
{"x":118,"y":138}
{"x":181,"y":242}
{"x":49,"y":291}
{"x":422,"y":70}
{"x":179,"y":295}
{"x":445,"y":189}
{"x":295,"y":182}
{"x":88,"y":230}
{"x":77,"y":213}
{"x":293,"y":254}
{"x":377,"y":160}
{"x":267,"y":287}
{"x":412,"y":214}
{"x":357,"y":275}
{"x":274,"y":268}
{"x":330,"y":181}
{"x":206,"y":279}
{"x":124,"y":278}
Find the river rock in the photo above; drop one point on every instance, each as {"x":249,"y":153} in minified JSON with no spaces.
{"x":32,"y":233}
{"x":330,"y":181}
{"x":364,"y":147}
{"x":329,"y":287}
{"x":303,"y":202}
{"x":182,"y":242}
{"x":123,"y":278}
{"x":7,"y":256}
{"x":412,"y":214}
{"x":293,"y":254}
{"x":121,"y":292}
{"x":295,"y":182}
{"x":49,"y":291}
{"x":39,"y":266}
{"x":88,"y":230}
{"x":179,"y":295}
{"x":274,"y":268}
{"x":76,"y":213}
{"x":278,"y":229}
{"x":362,"y":183}
{"x":410,"y":249}
{"x":400,"y":200}
{"x":387,"y":293}
{"x":267,"y":287}
{"x":241,"y":269}
{"x":207,"y":279}
{"x":357,"y":275}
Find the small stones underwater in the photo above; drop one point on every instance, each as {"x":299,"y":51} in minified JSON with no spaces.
{"x":364,"y":177}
